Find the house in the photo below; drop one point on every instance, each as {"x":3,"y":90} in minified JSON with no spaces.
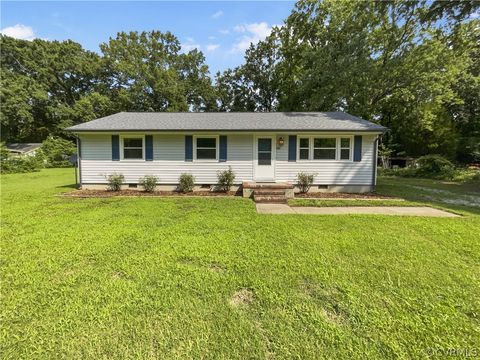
{"x":340,"y":149}
{"x":23,"y":149}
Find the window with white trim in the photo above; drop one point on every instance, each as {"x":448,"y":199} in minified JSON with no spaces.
{"x":132,"y":148}
{"x":324,"y":148}
{"x":345,"y":148}
{"x":206,"y":148}
{"x":304,"y":149}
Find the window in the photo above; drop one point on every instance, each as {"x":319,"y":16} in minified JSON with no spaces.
{"x":324,"y":148}
{"x":345,"y":148}
{"x":133,"y":148}
{"x":206,"y":148}
{"x":304,"y":149}
{"x":264,"y":151}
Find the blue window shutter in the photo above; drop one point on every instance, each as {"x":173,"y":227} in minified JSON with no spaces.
{"x":188,"y":148}
{"x":148,"y":148}
{"x":292,"y":148}
{"x":115,"y":148}
{"x":357,"y":148}
{"x":223,"y":148}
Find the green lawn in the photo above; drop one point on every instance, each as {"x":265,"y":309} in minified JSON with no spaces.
{"x":153,"y":278}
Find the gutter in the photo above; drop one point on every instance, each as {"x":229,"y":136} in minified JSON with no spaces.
{"x":375,"y":161}
{"x":79,"y":161}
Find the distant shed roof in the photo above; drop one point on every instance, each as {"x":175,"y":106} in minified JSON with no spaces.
{"x":22,"y":148}
{"x":229,"y":121}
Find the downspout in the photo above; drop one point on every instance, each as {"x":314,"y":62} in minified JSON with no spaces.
{"x":375,"y":160}
{"x":79,"y":162}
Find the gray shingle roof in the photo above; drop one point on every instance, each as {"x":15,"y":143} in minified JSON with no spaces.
{"x":22,"y":147}
{"x":229,"y":121}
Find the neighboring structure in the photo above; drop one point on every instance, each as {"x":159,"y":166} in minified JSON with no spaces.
{"x":339,"y":148}
{"x":23,"y":149}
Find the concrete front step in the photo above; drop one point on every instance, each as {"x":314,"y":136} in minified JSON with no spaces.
{"x":269,"y":192}
{"x":272,"y":199}
{"x":260,"y":185}
{"x":250,"y":188}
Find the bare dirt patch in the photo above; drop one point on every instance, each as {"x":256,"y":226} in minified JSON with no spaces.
{"x":216,"y":268}
{"x":329,"y":298}
{"x":118,"y":274}
{"x":335,"y":316}
{"x":242,"y":297}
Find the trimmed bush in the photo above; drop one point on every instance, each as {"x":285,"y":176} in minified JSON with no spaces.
{"x":186,"y":182}
{"x":149,"y":183}
{"x":225,"y":179}
{"x":305,"y":181}
{"x":115,"y":181}
{"x":435,"y":166}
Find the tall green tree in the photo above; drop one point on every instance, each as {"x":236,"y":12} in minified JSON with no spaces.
{"x":399,"y":63}
{"x":147,"y":72}
{"x":42,"y":81}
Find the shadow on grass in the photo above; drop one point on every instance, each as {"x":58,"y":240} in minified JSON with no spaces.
{"x":68,"y":186}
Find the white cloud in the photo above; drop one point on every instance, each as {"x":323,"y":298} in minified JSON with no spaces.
{"x":212,"y":47}
{"x":217,"y":14}
{"x":253,"y":33}
{"x":224,"y":31}
{"x":190,"y":44}
{"x":211,"y":38}
{"x":19,"y":31}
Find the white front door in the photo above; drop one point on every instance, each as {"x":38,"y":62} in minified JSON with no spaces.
{"x":264,"y":158}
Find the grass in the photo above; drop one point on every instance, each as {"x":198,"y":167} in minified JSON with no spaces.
{"x":170,"y":278}
{"x":452,"y":196}
{"x":351,"y":202}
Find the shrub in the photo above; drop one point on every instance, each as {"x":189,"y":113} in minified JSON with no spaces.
{"x":304,"y":181}
{"x":57,"y":152}
{"x":149,"y":182}
{"x":115,"y":181}
{"x":467,"y":175}
{"x":18,"y":164}
{"x":403,"y":172}
{"x":225,"y":179}
{"x":435,"y":166}
{"x":186,"y":182}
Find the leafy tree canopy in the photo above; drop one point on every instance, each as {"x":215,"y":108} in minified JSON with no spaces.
{"x":412,"y":66}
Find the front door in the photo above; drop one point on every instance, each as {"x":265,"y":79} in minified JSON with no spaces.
{"x":265,"y":158}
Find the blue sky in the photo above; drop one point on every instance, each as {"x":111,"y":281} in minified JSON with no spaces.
{"x":220,"y":29}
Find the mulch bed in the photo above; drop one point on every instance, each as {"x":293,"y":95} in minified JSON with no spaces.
{"x":136,"y":193}
{"x":326,"y":195}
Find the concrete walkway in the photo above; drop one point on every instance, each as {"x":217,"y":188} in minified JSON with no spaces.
{"x":342,"y":210}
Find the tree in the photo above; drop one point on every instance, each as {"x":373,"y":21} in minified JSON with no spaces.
{"x":385,"y":62}
{"x":41,"y":82}
{"x":147,"y":72}
{"x":233,"y":92}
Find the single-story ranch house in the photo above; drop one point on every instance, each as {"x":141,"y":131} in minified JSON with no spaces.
{"x":340,"y":149}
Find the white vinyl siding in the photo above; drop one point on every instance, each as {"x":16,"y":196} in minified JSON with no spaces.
{"x":329,"y":172}
{"x":168,"y":160}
